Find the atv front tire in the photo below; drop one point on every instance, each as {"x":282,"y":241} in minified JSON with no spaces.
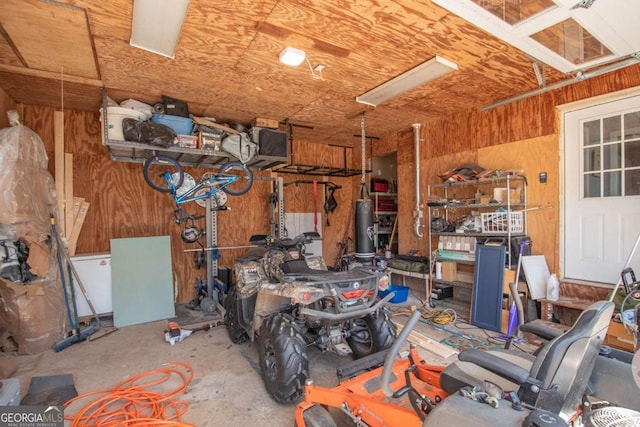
{"x":236,"y":333}
{"x":371,"y":334}
{"x":284,"y":364}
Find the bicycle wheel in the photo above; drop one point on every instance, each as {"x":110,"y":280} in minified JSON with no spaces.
{"x":155,"y":169}
{"x":244,"y":179}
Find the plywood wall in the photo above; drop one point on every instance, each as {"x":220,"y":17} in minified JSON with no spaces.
{"x":6,"y":104}
{"x":123,"y":205}
{"x":523,"y":134}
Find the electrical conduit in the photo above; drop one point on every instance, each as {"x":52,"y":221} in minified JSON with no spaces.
{"x":417,"y":212}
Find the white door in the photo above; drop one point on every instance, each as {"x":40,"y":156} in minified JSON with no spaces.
{"x":602,"y":189}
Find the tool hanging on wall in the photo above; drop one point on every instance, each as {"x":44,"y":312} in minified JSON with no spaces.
{"x":330,"y":202}
{"x":76,"y":334}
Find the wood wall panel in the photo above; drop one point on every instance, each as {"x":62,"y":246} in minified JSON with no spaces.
{"x":534,"y":156}
{"x":6,"y":104}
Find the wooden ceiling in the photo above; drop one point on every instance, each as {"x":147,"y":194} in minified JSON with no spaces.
{"x":226,"y":64}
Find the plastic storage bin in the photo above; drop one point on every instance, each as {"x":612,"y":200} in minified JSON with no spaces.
{"x":10,"y":392}
{"x":180,"y":125}
{"x":114,"y":121}
{"x":401,"y":293}
{"x":499,"y":222}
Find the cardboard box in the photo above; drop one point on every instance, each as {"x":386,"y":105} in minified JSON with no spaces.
{"x":449,"y":271}
{"x":500,"y":194}
{"x":265,"y":123}
{"x":618,"y":337}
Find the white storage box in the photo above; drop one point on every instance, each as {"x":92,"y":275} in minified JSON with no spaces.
{"x":114,"y":121}
{"x":502,"y":222}
{"x":10,"y":392}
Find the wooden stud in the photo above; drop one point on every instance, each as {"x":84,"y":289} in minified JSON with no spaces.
{"x":58,"y":128}
{"x":68,"y":194}
{"x":77,"y":226}
{"x":429,"y":344}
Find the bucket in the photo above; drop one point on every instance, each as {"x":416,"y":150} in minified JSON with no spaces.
{"x":401,"y":293}
{"x":114,"y":121}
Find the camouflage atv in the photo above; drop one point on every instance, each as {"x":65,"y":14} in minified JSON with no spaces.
{"x":288,"y":302}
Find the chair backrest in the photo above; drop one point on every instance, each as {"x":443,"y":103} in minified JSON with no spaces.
{"x":566,"y":363}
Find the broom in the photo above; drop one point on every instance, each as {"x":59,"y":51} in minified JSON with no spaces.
{"x":76,"y":334}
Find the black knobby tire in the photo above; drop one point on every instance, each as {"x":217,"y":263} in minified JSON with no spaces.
{"x":318,"y":416}
{"x":371,"y":334}
{"x":243,"y":184}
{"x":236,"y":333}
{"x":284,"y":364}
{"x":154,"y":169}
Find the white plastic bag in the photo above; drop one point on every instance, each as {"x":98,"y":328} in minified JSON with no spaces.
{"x":553,"y":288}
{"x":138,"y":106}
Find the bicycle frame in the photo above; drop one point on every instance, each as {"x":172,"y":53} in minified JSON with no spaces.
{"x":214,"y":183}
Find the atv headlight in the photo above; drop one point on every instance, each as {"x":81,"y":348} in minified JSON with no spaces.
{"x":383,"y":282}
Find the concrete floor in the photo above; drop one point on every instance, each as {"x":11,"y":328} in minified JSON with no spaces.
{"x":226,"y":390}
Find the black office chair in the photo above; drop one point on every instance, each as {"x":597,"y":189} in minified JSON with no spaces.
{"x":552,"y":383}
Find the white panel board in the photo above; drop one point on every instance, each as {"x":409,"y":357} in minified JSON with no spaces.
{"x":537,"y":273}
{"x":141,"y":280}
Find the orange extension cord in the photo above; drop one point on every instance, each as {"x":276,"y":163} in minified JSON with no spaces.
{"x":133,"y":403}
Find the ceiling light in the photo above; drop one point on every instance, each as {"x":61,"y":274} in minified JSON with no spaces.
{"x":427,"y":71}
{"x":157,"y":25}
{"x":292,"y":56}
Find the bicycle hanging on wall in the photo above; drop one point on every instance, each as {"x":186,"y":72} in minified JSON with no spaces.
{"x":165,"y":174}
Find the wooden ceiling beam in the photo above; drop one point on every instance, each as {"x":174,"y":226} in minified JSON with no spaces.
{"x":50,"y":75}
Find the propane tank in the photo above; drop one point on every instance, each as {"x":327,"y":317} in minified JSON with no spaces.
{"x":364,"y":230}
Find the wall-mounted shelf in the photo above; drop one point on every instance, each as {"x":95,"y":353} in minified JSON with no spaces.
{"x":137,"y":152}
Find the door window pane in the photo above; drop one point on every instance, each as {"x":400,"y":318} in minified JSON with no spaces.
{"x":632,"y":154}
{"x":591,"y":132}
{"x":632,"y":182}
{"x":611,"y":129}
{"x":632,"y":125}
{"x":592,"y":159}
{"x":612,"y":184}
{"x":611,"y":157}
{"x":592,"y":185}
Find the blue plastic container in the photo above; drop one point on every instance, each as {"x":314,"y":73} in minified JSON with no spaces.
{"x":401,"y":293}
{"x":180,"y":125}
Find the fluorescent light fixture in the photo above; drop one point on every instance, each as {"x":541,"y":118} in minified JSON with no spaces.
{"x":292,"y":56}
{"x":157,"y":25}
{"x":417,"y":76}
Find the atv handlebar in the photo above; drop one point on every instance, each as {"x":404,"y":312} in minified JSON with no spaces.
{"x":393,"y":352}
{"x":287,"y":243}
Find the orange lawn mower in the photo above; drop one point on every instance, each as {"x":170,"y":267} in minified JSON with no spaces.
{"x":362,"y":398}
{"x":555,"y":387}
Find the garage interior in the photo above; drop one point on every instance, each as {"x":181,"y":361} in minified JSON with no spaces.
{"x":480,"y":86}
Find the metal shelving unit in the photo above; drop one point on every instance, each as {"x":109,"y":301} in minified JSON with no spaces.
{"x":448,"y":198}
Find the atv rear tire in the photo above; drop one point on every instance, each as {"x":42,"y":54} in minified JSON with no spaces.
{"x":317,"y":416}
{"x":236,"y":333}
{"x":284,"y":364}
{"x":371,"y":334}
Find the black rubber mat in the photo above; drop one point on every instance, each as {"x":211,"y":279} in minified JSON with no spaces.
{"x":50,"y":390}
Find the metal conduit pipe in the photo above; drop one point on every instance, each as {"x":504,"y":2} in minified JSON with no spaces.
{"x":581,"y":76}
{"x":417,"y":213}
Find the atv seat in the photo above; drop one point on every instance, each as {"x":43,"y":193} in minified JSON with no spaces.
{"x":554,"y":380}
